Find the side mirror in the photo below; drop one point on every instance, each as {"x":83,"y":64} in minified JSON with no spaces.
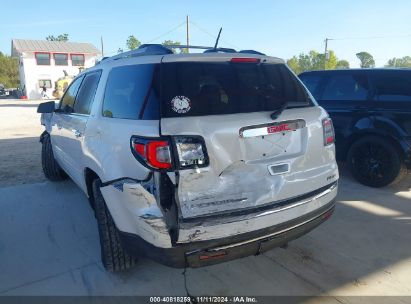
{"x":46,"y":107}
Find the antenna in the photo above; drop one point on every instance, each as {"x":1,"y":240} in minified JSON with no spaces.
{"x":218,"y":39}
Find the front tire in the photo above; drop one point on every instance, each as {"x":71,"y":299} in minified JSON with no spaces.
{"x":375,"y":162}
{"x":113,"y":255}
{"x":51,"y":168}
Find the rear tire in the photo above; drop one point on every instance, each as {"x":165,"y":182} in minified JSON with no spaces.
{"x":113,"y":255}
{"x":51,"y":168}
{"x":375,"y":162}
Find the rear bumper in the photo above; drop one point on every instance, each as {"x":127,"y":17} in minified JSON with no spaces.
{"x":204,"y":253}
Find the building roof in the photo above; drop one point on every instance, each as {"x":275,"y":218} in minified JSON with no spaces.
{"x":21,"y":45}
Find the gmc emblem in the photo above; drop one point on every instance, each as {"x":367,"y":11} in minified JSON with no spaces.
{"x":279,"y":128}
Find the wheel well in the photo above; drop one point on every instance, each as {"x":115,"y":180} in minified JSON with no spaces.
{"x":355,"y":137}
{"x":90,"y":176}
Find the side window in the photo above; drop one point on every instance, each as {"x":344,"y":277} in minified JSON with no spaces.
{"x":393,"y":86}
{"x":312,"y":82}
{"x":347,"y":86}
{"x":131,"y":93}
{"x":67,"y":102}
{"x":86,"y":93}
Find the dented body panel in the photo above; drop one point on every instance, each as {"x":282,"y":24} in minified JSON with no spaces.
{"x":238,"y":176}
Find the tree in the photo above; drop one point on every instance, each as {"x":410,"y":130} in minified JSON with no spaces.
{"x":9,"y":71}
{"x":315,"y":61}
{"x":171,"y":42}
{"x":343,"y":64}
{"x":132,"y":42}
{"x":366,"y":59}
{"x":60,"y":38}
{"x":404,"y":62}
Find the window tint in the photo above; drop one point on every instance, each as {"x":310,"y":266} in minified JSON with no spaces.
{"x":77,"y":59}
{"x":43,"y":58}
{"x":199,"y":88}
{"x":346,"y":87}
{"x":131,"y":92}
{"x":67,"y":102}
{"x":60,"y":59}
{"x":86,"y":93}
{"x":312,"y":81}
{"x":393,"y":86}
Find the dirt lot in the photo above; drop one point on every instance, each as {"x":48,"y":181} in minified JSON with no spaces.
{"x":49,"y":241}
{"x":19,"y":143}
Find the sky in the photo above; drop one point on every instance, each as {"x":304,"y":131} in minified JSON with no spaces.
{"x":278,"y":28}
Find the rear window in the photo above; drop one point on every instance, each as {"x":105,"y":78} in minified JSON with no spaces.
{"x":312,"y":82}
{"x":131,"y":93}
{"x":392,"y":86}
{"x":199,"y":88}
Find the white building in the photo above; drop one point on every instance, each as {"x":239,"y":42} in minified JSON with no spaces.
{"x":42,"y":63}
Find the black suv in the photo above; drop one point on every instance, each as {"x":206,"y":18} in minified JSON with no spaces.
{"x":371,"y":112}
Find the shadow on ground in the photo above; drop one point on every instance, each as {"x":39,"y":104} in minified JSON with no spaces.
{"x":49,"y":246}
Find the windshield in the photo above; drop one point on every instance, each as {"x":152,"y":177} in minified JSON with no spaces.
{"x":203,"y":88}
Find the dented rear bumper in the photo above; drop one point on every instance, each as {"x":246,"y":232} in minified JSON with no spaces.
{"x":204,"y":253}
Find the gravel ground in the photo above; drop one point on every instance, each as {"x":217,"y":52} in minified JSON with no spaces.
{"x":19,"y":143}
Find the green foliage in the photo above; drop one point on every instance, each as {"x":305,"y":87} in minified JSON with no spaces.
{"x":60,"y":38}
{"x":132,"y":42}
{"x":366,"y":59}
{"x":343,"y":64}
{"x":315,"y":61}
{"x":171,"y":42}
{"x":404,"y":62}
{"x":9,"y":71}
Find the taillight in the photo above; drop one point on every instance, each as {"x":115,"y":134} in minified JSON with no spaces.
{"x":191,"y":152}
{"x":244,"y":60}
{"x":328,"y":132}
{"x":154,"y":153}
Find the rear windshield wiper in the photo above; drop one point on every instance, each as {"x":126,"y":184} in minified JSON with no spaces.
{"x":278,"y":112}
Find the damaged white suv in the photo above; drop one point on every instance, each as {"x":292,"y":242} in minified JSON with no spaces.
{"x":193,"y":159}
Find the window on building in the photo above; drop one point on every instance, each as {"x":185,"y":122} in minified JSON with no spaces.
{"x":347,"y":86}
{"x":43,"y":58}
{"x":86,"y":93}
{"x":77,"y":59}
{"x":60,"y":59}
{"x":45,"y":82}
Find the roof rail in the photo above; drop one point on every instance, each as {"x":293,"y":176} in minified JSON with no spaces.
{"x":159,"y":49}
{"x":143,"y":50}
{"x":251,"y":52}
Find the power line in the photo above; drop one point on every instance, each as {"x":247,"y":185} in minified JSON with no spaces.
{"x":212,"y":35}
{"x":371,"y":37}
{"x":168,"y":32}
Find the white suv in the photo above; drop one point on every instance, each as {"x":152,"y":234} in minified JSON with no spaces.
{"x":193,"y":159}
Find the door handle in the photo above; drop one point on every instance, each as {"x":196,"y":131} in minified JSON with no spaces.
{"x":77,"y":133}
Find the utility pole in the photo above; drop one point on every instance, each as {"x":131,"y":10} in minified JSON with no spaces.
{"x":326,"y":53}
{"x":102,"y":46}
{"x":188,"y":32}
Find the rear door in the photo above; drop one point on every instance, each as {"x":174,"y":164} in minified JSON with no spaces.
{"x":72,"y":124}
{"x":226,"y":105}
{"x":392,"y":100}
{"x":346,"y":97}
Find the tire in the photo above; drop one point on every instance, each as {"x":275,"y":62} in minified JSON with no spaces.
{"x":51,"y":168}
{"x":375,"y":162}
{"x":113,"y":255}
